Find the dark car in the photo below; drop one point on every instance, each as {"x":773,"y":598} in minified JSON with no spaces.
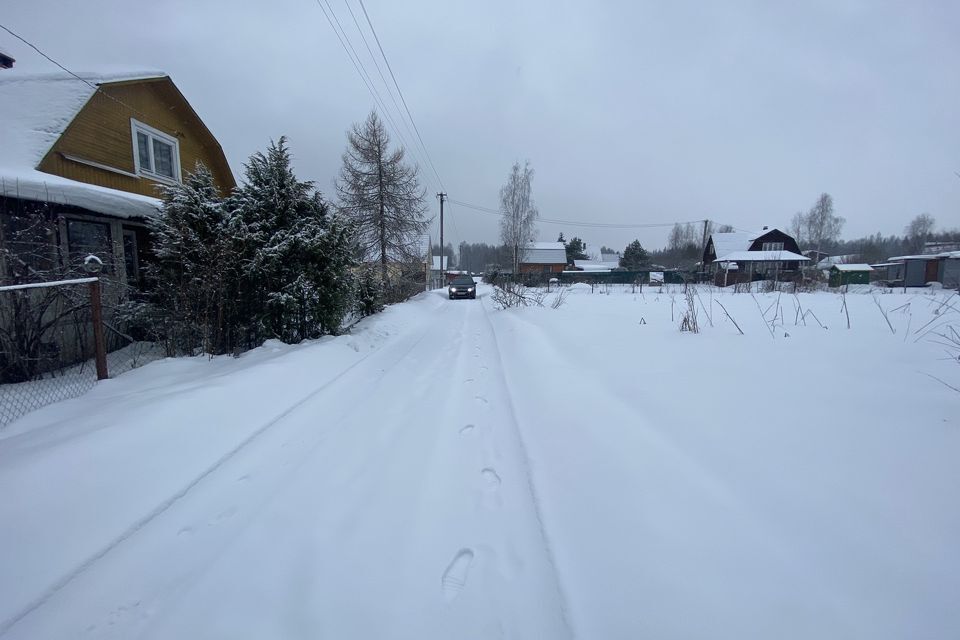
{"x":462,"y":287}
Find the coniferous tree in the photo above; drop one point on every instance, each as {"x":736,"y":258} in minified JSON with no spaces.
{"x":192,"y":265}
{"x":295,"y":254}
{"x":634,"y":256}
{"x":576,"y":250}
{"x":381,"y":196}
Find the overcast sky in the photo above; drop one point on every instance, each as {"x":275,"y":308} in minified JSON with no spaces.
{"x":630,"y":112}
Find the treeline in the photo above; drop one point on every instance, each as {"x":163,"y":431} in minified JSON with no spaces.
{"x":275,"y":259}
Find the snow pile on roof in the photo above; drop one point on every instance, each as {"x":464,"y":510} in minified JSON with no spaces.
{"x":724,"y":243}
{"x":763,"y":256}
{"x":44,"y":187}
{"x":545,"y":253}
{"x":829,"y":261}
{"x":591,"y":265}
{"x":596,"y":265}
{"x":36,"y":109}
{"x":853,"y":267}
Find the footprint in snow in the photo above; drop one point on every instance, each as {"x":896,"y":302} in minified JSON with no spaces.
{"x":454,"y":579}
{"x":491,"y":478}
{"x":466,"y":429}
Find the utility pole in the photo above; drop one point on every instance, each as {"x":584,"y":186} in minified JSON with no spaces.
{"x":703,"y":250}
{"x":442,"y":197}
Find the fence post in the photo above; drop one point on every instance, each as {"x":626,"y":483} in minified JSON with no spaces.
{"x":99,"y":345}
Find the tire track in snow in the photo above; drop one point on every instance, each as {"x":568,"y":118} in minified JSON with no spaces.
{"x":93,"y":559}
{"x":527,"y":472}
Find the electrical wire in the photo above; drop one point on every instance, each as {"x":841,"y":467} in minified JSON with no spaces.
{"x":96,"y":88}
{"x":361,"y":69}
{"x":400,"y":93}
{"x":573,"y":223}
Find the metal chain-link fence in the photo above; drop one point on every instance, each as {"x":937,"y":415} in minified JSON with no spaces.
{"x":48,"y":350}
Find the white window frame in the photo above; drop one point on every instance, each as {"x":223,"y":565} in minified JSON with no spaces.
{"x":138,"y":127}
{"x":772,"y":246}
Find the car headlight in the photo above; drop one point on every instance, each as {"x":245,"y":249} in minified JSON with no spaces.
{"x":470,"y":289}
{"x":453,"y":289}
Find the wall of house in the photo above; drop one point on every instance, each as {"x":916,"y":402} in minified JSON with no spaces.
{"x":915,"y":273}
{"x":101,"y":133}
{"x":949,"y":273}
{"x":542,"y":268}
{"x":775,"y":235}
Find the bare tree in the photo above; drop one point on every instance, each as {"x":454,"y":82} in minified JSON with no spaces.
{"x":519,"y":211}
{"x":797,"y":228}
{"x":382,"y":196}
{"x":821,"y":224}
{"x":919,"y":230}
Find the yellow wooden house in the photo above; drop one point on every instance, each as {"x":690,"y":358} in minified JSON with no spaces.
{"x":91,"y":153}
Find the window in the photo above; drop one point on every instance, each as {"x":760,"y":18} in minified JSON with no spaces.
{"x":130,"y":257}
{"x":156,"y":154}
{"x":772,"y":246}
{"x":85,"y":238}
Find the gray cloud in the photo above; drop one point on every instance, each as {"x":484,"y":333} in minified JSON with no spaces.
{"x":631,"y":112}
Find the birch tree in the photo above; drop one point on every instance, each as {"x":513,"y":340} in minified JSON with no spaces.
{"x":518,"y":210}
{"x":381,"y":195}
{"x":822,"y":225}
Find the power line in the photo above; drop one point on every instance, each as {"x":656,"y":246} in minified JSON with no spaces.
{"x":359,"y":66}
{"x":400,"y":93}
{"x":573,"y":223}
{"x":96,"y":88}
{"x":377,"y":65}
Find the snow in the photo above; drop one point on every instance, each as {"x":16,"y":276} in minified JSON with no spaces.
{"x":762,"y":256}
{"x":724,"y":243}
{"x":826,"y":263}
{"x":37,"y":108}
{"x":431,"y":476}
{"x":853,"y":267}
{"x":596,"y":265}
{"x":54,"y":283}
{"x":30,"y":184}
{"x":544,"y":253}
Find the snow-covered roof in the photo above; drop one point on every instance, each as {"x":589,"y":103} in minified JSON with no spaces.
{"x":829,"y":261}
{"x":724,"y":243}
{"x":928,"y":256}
{"x":545,"y":253}
{"x":923,"y":256}
{"x":595,"y":265}
{"x":44,"y":187}
{"x":591,"y":265}
{"x":852,"y":267}
{"x":763,"y":256}
{"x":35,"y":109}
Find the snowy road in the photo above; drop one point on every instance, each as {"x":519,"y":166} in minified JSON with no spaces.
{"x":391,"y":501}
{"x":451,"y":471}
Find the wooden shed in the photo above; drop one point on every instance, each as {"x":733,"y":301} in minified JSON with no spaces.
{"x":844,"y":274}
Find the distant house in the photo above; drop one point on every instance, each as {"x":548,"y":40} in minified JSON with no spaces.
{"x":596,"y":265}
{"x":827,"y":262}
{"x":919,"y":270}
{"x":6,"y":60}
{"x":91,"y":157}
{"x":543,"y":257}
{"x":844,"y":274}
{"x":741,"y":257}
